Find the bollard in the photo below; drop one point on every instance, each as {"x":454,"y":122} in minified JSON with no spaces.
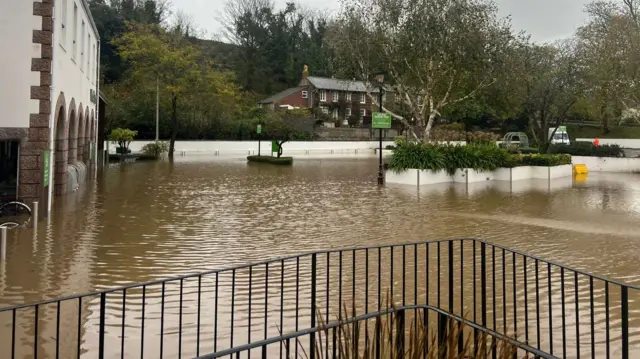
{"x":34,"y":215}
{"x":3,"y":243}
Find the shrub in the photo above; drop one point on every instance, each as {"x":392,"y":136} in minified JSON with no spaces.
{"x":155,"y":148}
{"x":587,"y":149}
{"x":123,"y":137}
{"x":449,"y":158}
{"x":487,"y":157}
{"x":538,"y":160}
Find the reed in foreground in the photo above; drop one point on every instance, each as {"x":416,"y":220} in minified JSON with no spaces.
{"x":393,"y":336}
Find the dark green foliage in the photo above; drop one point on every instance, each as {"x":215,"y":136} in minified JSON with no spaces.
{"x":449,"y":158}
{"x":110,"y":18}
{"x":543,"y":160}
{"x":284,"y":161}
{"x":588,"y":149}
{"x":477,"y":157}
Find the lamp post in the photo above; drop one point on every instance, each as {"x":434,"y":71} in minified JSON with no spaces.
{"x":380,"y":80}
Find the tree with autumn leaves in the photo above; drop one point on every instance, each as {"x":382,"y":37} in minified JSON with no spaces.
{"x":167,"y":57}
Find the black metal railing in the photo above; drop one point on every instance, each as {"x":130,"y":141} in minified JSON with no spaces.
{"x":551,"y":308}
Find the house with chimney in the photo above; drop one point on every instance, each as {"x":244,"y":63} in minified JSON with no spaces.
{"x":337,"y":100}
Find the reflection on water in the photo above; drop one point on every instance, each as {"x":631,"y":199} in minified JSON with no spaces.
{"x":150,"y":221}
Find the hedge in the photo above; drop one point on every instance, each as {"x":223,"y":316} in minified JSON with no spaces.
{"x":587,"y":149}
{"x":477,"y":157}
{"x":285,"y":161}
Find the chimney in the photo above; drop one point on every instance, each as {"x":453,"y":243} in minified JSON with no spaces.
{"x":305,"y":74}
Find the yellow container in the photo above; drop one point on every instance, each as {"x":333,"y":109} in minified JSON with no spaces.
{"x":580,"y":169}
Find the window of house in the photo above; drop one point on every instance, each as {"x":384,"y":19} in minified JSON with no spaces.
{"x":363,"y":98}
{"x":335,"y":113}
{"x":74,"y":32}
{"x":363,"y":112}
{"x":336,"y":96}
{"x":348,"y":95}
{"x":305,"y":94}
{"x":325,"y":109}
{"x":347,"y":112}
{"x":323,"y":95}
{"x":63,"y":24}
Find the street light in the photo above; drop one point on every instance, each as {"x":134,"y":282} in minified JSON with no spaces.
{"x":380,"y":80}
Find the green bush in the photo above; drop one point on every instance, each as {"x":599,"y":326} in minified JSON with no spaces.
{"x":587,"y":149}
{"x":538,"y":160}
{"x":448,"y":157}
{"x":486,"y":157}
{"x":285,"y":161}
{"x":123,"y":137}
{"x":155,"y":148}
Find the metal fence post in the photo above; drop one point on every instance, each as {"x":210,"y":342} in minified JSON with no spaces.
{"x":483,"y":282}
{"x":3,"y":243}
{"x":103,"y":305}
{"x":442,"y":335}
{"x":451,"y":277}
{"x":399,"y":334}
{"x":312,"y":339}
{"x":35,"y":215}
{"x":625,"y":322}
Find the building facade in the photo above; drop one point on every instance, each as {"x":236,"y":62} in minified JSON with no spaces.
{"x":49,"y":94}
{"x":341,"y":100}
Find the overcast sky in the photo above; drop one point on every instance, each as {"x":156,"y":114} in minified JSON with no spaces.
{"x":545,"y":20}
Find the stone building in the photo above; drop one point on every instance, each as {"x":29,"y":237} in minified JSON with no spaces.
{"x":49,"y":97}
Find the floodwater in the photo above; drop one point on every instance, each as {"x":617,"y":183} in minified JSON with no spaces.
{"x":148,"y":221}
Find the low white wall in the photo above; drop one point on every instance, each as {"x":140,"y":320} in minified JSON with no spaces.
{"x":561,"y":171}
{"x":608,"y":164}
{"x":433,"y":177}
{"x":622,"y":142}
{"x":251,"y":147}
{"x":468,"y":176}
{"x":406,"y":177}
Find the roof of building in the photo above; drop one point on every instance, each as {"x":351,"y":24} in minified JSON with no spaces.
{"x":280,"y":95}
{"x":325,"y":83}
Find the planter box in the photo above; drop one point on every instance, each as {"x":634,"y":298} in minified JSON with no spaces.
{"x":502,"y":174}
{"x":421,"y":178}
{"x":433,"y":177}
{"x":521,"y":173}
{"x":409,"y":176}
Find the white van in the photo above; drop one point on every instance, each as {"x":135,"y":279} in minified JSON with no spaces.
{"x":560,"y":136}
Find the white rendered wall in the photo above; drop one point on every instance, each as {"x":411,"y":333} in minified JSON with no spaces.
{"x":74,"y":77}
{"x":608,"y":164}
{"x":16,"y":78}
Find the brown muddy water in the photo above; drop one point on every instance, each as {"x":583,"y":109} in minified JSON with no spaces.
{"x":148,"y":221}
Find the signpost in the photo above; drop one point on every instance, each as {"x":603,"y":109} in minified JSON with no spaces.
{"x":380,"y":120}
{"x":259,"y":131}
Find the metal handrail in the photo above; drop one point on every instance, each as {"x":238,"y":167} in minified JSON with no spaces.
{"x":351,"y":320}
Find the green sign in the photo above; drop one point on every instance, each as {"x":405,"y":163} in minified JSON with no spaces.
{"x":46,"y":154}
{"x":274,"y":146}
{"x":259,"y":129}
{"x":381,"y":120}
